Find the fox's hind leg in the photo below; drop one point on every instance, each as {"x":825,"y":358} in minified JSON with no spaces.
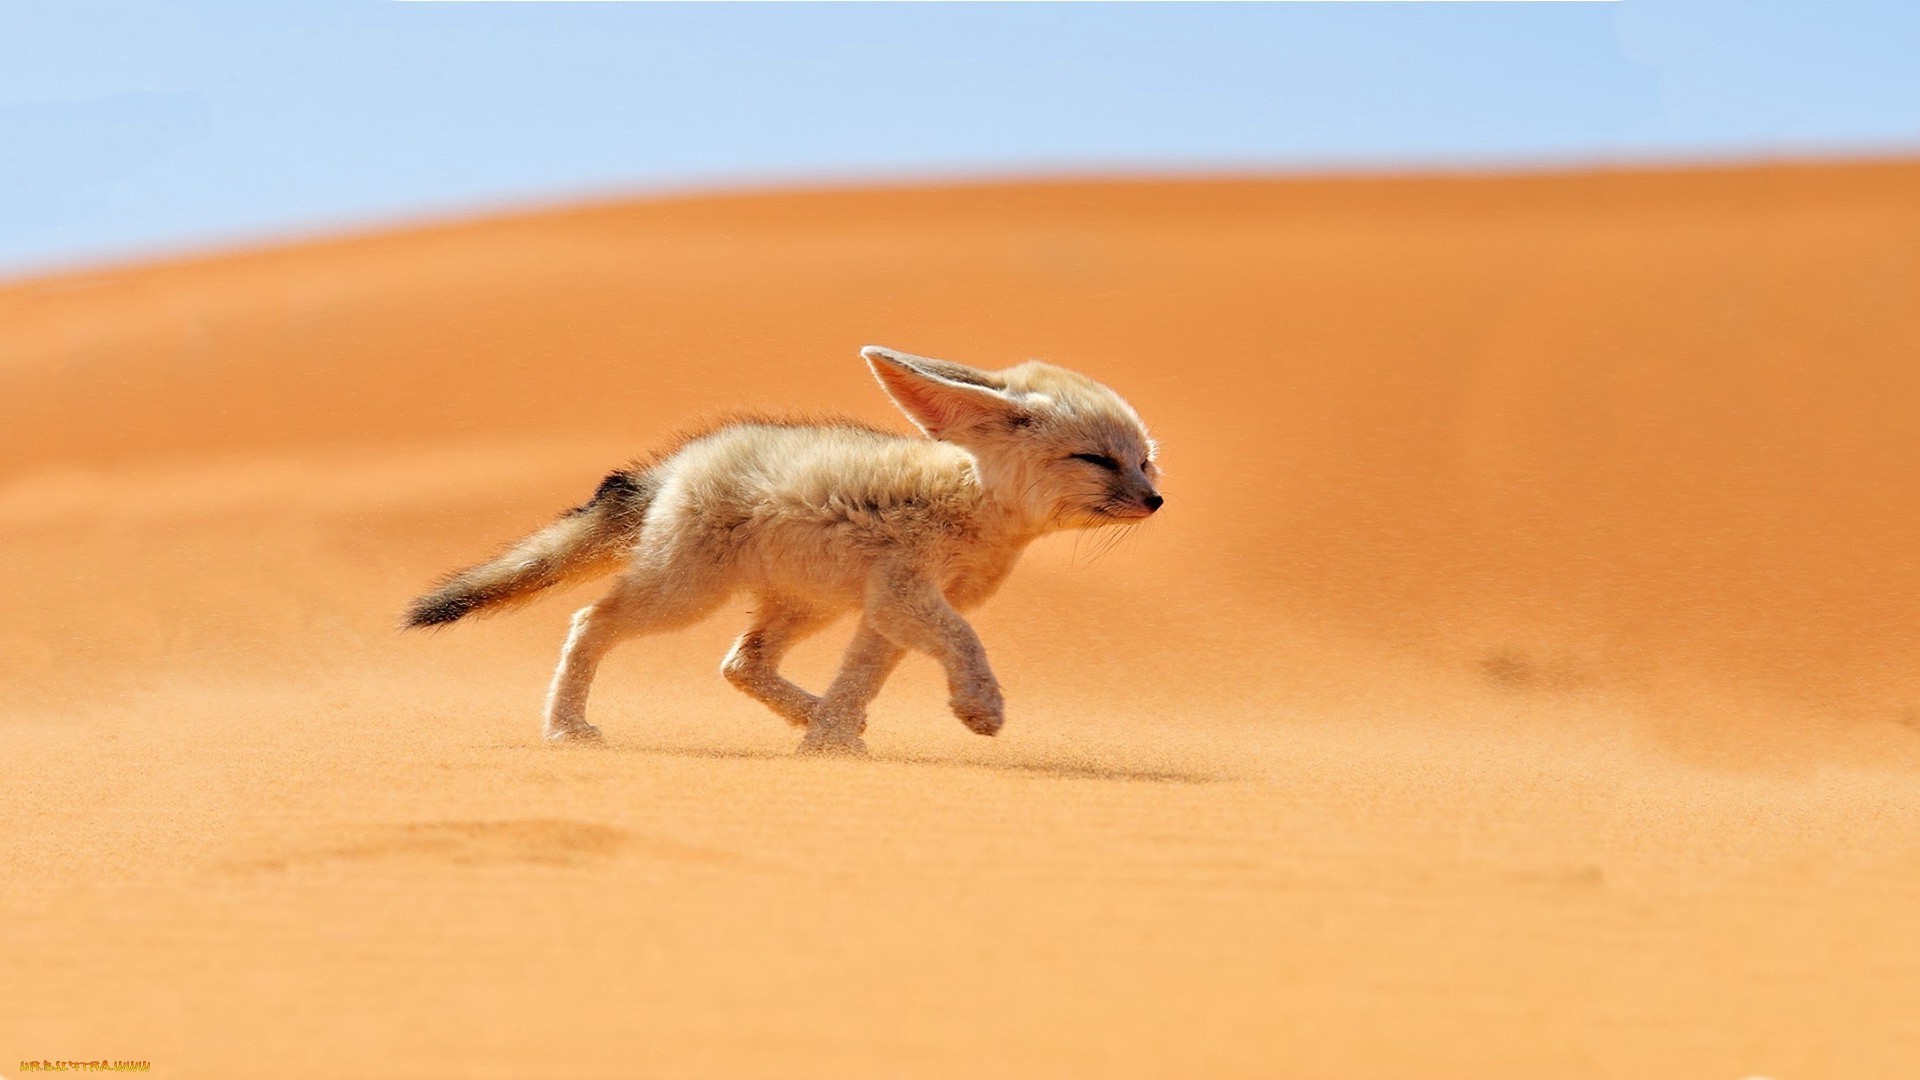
{"x":645,"y":600}
{"x":753,"y":664}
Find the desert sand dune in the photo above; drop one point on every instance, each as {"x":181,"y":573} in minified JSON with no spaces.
{"x":1520,"y":681}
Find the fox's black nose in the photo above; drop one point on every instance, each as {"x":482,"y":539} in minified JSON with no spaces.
{"x":1154,"y":502}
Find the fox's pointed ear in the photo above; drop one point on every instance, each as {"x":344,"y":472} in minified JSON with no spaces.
{"x":939,"y":396}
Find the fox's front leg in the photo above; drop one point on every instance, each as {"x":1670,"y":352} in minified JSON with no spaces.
{"x":912,"y":612}
{"x":842,"y":713}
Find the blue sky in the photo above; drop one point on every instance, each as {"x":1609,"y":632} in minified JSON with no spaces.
{"x":137,"y":128}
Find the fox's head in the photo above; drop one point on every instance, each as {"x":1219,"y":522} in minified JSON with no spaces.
{"x":1061,"y":449}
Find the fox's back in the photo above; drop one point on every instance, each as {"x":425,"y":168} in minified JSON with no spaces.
{"x":816,"y":501}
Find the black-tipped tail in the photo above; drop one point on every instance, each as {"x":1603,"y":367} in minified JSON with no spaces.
{"x":587,"y":540}
{"x":443,"y":606}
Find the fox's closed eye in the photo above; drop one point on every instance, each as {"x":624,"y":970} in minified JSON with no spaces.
{"x":1101,"y":460}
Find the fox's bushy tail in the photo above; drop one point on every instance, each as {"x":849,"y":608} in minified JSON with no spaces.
{"x":589,"y":539}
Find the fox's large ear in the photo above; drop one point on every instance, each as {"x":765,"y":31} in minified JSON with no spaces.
{"x":939,"y":396}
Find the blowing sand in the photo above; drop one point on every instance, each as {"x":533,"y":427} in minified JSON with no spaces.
{"x":1521,"y":681}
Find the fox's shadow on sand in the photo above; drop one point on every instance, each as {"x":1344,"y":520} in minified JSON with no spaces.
{"x":1059,"y":768}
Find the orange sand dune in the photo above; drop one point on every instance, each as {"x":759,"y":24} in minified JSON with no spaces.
{"x":1521,"y":681}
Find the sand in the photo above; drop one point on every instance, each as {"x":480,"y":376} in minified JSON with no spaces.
{"x":1520,"y":681}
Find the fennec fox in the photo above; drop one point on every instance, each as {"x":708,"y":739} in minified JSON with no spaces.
{"x":818,"y":519}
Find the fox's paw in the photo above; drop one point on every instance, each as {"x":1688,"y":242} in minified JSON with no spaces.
{"x":818,"y":745}
{"x":581,"y":732}
{"x":982,"y":723}
{"x":983,"y":713}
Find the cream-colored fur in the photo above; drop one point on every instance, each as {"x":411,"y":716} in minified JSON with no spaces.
{"x":816,"y":520}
